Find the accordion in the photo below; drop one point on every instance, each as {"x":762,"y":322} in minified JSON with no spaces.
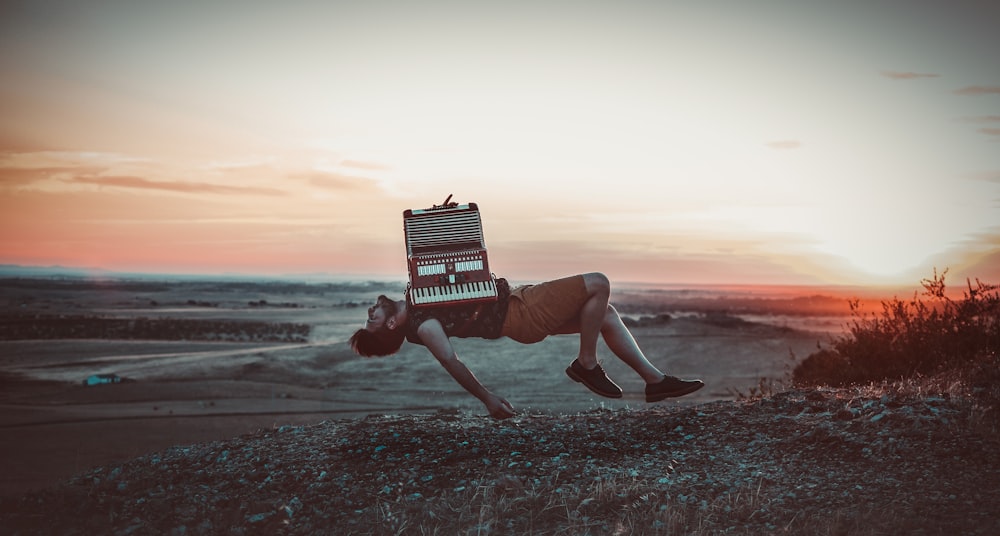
{"x":446,"y":256}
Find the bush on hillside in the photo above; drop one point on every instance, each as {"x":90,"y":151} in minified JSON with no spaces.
{"x":918,"y":337}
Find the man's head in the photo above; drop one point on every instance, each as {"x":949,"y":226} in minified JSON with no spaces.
{"x":383,"y":334}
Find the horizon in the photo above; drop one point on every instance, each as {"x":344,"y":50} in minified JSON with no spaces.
{"x":772,"y":143}
{"x":866,"y":292}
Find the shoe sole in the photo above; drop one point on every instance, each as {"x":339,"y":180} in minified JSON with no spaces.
{"x":674,"y":394}
{"x":577,"y":378}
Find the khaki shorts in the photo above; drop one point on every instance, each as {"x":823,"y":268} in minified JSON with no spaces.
{"x":537,"y":311}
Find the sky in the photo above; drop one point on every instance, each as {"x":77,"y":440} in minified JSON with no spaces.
{"x":715,"y":142}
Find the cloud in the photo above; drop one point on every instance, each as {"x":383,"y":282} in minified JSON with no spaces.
{"x":784,"y":144}
{"x":985,"y":120}
{"x":988,"y":176}
{"x":337,"y":181}
{"x":23,"y":176}
{"x":976,"y":256}
{"x":363,"y":165}
{"x":982,"y":119}
{"x":9,"y":148}
{"x":978,"y":90}
{"x":175,"y":186}
{"x":901,"y":75}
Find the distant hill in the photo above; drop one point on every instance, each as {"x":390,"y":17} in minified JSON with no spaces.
{"x":15,"y":270}
{"x":56,"y":271}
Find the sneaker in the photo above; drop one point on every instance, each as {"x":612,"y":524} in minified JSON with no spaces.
{"x":670,"y":387}
{"x":595,"y":379}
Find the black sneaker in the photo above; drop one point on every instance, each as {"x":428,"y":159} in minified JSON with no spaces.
{"x":670,"y":387}
{"x":595,"y":379}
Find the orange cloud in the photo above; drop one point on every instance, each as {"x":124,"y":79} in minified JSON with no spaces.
{"x":978,"y":90}
{"x":534,"y":261}
{"x":21,"y":176}
{"x":982,"y":119}
{"x":122,"y":231}
{"x":977,"y":257}
{"x":11,"y":144}
{"x":176,"y":186}
{"x":985,"y":119}
{"x":337,"y":181}
{"x":363,"y":165}
{"x":899,"y":75}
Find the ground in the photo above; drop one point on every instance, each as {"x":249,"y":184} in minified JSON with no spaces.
{"x":222,"y":430}
{"x":818,"y":461}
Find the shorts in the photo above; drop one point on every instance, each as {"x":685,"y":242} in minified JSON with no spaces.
{"x":537,"y":311}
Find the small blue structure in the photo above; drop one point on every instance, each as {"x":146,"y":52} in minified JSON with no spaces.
{"x":101,"y":379}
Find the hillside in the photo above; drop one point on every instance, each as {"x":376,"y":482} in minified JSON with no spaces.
{"x":825,"y":461}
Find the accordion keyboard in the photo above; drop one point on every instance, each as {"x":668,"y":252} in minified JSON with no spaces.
{"x":460,"y":292}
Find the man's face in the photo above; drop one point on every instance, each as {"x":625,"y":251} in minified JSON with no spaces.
{"x":383,"y":309}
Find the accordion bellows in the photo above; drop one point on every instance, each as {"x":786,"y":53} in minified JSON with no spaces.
{"x":446,"y":256}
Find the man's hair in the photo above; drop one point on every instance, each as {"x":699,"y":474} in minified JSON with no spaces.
{"x":379,"y":343}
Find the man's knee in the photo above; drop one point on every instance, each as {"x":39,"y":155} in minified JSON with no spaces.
{"x":597,"y":283}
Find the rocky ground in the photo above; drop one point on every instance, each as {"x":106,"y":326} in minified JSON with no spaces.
{"x":825,"y":461}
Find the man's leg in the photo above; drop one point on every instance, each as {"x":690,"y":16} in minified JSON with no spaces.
{"x":598,"y":316}
{"x":585,"y":369}
{"x":619,"y":339}
{"x":592,"y":316}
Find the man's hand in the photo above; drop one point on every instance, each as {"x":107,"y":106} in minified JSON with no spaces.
{"x":499,"y":408}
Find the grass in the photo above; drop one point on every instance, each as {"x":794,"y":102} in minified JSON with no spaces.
{"x":615,"y":505}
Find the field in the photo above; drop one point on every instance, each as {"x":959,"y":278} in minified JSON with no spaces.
{"x":236,"y":407}
{"x":208,"y":360}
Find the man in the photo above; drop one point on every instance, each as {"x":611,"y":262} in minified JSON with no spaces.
{"x":527,"y":314}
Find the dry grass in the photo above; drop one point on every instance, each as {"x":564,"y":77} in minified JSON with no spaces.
{"x":615,"y":505}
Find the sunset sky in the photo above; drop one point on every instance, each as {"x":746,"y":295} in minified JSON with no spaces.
{"x":853,"y":142}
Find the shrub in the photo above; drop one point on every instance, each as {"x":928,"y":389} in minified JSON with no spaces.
{"x":825,"y":367}
{"x":918,"y":337}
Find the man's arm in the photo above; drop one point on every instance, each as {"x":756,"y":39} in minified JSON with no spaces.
{"x":434,"y":338}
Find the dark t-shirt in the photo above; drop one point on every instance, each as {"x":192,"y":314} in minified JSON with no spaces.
{"x":455,"y":319}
